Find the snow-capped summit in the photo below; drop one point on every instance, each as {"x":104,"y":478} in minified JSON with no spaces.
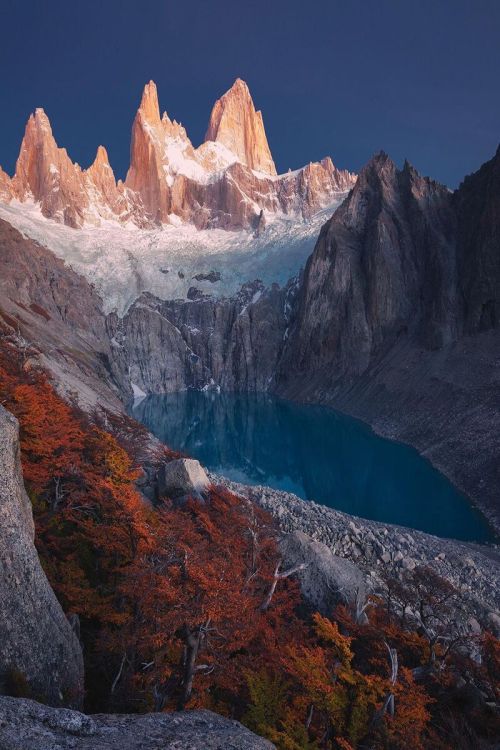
{"x":228,"y":182}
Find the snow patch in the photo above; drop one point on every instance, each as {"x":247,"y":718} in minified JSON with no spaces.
{"x":138,"y":392}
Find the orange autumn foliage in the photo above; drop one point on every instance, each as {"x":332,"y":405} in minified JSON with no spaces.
{"x":169,"y":598}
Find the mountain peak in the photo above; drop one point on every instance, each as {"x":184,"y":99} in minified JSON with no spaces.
{"x":101,"y":157}
{"x":40,"y":114}
{"x":239,"y":83}
{"x":380,"y":166}
{"x":149,"y":106}
{"x":236,"y":124}
{"x":39,"y":122}
{"x":224,"y":183}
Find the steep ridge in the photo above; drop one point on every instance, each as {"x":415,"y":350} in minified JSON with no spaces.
{"x":45,"y":174}
{"x":383,"y":266}
{"x":229,"y":182}
{"x":396,"y":321}
{"x":55,"y":315}
{"x":39,"y":652}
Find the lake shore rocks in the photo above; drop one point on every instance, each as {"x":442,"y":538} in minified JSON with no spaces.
{"x":379,"y":550}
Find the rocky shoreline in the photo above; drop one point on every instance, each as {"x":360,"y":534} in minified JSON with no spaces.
{"x":378,"y":548}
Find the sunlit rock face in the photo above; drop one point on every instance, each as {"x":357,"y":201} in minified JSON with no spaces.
{"x":6,"y":191}
{"x":65,"y":191}
{"x":235,"y":123}
{"x":228,"y":182}
{"x":45,"y":173}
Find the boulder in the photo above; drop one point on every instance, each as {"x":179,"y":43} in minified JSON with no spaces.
{"x":40,"y":655}
{"x":328,"y":579}
{"x":493,"y":623}
{"x":183,"y":478}
{"x":27,"y":725}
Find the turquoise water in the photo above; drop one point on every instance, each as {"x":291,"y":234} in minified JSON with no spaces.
{"x":314,"y":452}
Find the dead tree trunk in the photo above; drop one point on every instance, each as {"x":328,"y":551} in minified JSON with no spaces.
{"x":192,"y":642}
{"x":388,"y":705}
{"x":277,"y":577}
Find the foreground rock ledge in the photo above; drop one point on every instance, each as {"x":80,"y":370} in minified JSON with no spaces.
{"x":27,"y":725}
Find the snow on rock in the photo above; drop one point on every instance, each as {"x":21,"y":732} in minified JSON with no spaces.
{"x":228,"y":182}
{"x":138,"y":392}
{"x":124,"y":261}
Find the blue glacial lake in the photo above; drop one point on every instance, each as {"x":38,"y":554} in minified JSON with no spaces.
{"x":314,"y":452}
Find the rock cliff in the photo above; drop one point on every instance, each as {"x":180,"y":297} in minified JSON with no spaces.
{"x":171,"y":345}
{"x":63,"y":190}
{"x":396,"y":321}
{"x":39,"y":653}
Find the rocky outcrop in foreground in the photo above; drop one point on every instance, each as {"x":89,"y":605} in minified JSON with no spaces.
{"x":39,"y":652}
{"x":326,"y":579}
{"x":26,"y":725}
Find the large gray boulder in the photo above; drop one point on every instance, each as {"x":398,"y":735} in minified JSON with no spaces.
{"x":26,"y":725}
{"x":183,"y":478}
{"x":327,"y":580}
{"x":39,"y":652}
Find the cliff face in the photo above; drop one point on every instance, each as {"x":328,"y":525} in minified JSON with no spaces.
{"x":383,"y":266}
{"x":38,"y":648}
{"x":228,"y":180}
{"x":235,"y":123}
{"x":397,"y":319}
{"x":234,"y":343}
{"x":63,"y":190}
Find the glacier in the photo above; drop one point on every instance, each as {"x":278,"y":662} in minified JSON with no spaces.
{"x":122,"y":262}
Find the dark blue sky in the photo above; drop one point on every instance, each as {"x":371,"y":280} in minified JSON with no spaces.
{"x":418,"y":78}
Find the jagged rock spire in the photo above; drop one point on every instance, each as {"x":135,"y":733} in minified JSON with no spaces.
{"x":235,"y":123}
{"x":210,"y":186}
{"x":149,"y":108}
